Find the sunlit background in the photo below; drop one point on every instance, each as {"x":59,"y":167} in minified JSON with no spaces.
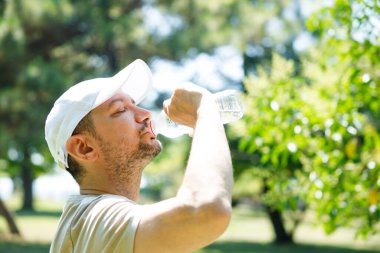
{"x":306,"y":153}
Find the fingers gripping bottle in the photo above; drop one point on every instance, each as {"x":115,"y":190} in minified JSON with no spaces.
{"x":228,"y":103}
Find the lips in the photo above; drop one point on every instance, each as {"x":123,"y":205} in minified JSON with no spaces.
{"x":151,"y":128}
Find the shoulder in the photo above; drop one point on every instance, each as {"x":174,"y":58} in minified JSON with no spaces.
{"x":104,"y":205}
{"x":90,"y":211}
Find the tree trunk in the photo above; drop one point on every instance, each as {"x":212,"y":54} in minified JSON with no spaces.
{"x":9,"y":218}
{"x":27,"y":180}
{"x":282,"y":236}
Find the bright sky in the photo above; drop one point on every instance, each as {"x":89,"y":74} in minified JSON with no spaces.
{"x":204,"y":70}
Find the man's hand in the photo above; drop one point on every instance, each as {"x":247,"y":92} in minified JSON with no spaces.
{"x":187,"y":102}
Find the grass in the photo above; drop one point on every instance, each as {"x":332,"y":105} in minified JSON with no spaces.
{"x":248,"y":233}
{"x":248,"y":247}
{"x":219,"y":247}
{"x":16,"y":246}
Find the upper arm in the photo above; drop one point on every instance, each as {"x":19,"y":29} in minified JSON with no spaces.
{"x":171,"y":226}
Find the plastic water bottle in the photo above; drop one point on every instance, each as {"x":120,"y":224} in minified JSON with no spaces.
{"x":228,"y":103}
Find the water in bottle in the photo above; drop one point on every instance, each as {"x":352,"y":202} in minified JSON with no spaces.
{"x":230,"y":109}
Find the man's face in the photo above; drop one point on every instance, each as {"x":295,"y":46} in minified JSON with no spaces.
{"x":124,"y":135}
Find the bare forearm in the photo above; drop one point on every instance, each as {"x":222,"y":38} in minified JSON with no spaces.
{"x":208,"y":174}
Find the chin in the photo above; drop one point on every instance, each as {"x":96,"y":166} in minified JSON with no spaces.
{"x":151,"y":149}
{"x":158,"y":146}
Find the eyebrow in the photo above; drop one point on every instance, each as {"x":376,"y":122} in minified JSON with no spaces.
{"x":113,"y":102}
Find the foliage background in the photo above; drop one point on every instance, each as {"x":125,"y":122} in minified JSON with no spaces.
{"x":309,"y":141}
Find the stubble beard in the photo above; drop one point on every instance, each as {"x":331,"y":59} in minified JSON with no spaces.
{"x":124,"y":164}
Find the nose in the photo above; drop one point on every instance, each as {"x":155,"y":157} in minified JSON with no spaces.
{"x":142,"y":115}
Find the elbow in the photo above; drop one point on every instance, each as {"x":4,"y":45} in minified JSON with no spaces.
{"x":224,"y":214}
{"x":218,"y":215}
{"x":212,"y":211}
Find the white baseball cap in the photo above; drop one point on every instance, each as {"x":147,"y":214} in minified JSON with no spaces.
{"x":135,"y":80}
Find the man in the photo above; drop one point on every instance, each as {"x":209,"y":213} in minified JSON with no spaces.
{"x":98,"y":133}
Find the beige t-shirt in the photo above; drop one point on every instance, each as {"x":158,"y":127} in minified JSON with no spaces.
{"x":91,"y":224}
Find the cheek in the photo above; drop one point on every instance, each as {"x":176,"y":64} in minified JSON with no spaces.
{"x":125,"y":133}
{"x":120,"y":126}
{"x":116,"y":129}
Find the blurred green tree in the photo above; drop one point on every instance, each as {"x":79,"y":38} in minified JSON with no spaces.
{"x":30,"y":79}
{"x":44,"y":48}
{"x":313,"y":135}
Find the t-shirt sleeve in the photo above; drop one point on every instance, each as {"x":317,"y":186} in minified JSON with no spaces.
{"x":110,"y":226}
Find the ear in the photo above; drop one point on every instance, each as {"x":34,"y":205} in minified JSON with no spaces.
{"x":81,"y":148}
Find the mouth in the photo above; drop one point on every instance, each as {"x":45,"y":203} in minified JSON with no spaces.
{"x":148,"y":130}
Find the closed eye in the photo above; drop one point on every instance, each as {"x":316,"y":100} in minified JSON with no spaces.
{"x":123,"y":109}
{"x":119,"y":111}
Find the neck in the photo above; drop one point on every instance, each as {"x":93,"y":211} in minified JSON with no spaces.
{"x":127,"y":187}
